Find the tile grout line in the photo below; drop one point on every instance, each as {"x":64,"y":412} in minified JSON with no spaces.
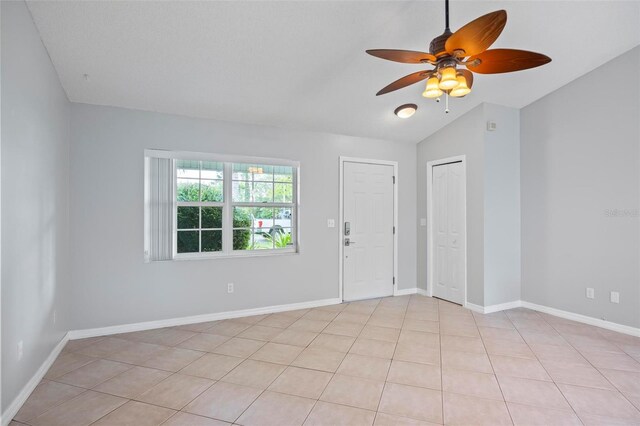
{"x":542,"y":365}
{"x":596,"y":368}
{"x":491,"y":363}
{"x":384,"y":386}
{"x":441,"y":363}
{"x":178,"y":372}
{"x":333,"y":374}
{"x":406,"y":306}
{"x":264,"y":390}
{"x":55,"y":406}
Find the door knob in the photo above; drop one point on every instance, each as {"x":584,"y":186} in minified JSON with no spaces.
{"x":348,"y":242}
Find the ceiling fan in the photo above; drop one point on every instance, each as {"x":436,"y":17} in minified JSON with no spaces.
{"x":467,"y":48}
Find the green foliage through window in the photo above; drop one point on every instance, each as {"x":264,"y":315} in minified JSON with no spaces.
{"x":188,"y":218}
{"x":261,"y":224}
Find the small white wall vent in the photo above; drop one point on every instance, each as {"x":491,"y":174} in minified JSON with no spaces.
{"x":491,"y":126}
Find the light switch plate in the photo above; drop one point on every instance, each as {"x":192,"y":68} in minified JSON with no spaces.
{"x":423,"y":221}
{"x":590,"y":293}
{"x":331,"y":223}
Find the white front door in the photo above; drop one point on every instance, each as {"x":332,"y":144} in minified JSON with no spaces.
{"x":449,"y":232}
{"x":367,"y":230}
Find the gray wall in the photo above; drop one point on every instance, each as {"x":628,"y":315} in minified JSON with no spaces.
{"x":35,"y":227}
{"x":493,"y":200}
{"x":112,"y":285}
{"x":502,"y":206}
{"x":465,"y":136}
{"x":580,"y":158}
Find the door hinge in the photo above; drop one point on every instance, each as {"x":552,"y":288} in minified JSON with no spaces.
{"x":394,"y":230}
{"x":394,"y":180}
{"x":394,"y":280}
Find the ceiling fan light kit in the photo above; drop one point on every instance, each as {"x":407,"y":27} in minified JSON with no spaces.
{"x":455,"y":55}
{"x":433,"y":88}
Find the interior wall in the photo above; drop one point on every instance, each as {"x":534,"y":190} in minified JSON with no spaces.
{"x":581,"y":192}
{"x":502,"y":206}
{"x":465,"y":136}
{"x":35,"y":177}
{"x":493,"y":200}
{"x":112,"y":284}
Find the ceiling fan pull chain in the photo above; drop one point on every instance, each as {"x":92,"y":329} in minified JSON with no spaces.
{"x":446,"y":100}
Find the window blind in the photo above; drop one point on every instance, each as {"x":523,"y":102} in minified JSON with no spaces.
{"x":160,"y":198}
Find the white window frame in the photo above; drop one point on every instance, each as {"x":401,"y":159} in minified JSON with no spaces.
{"x":228,"y":204}
{"x":199,"y":204}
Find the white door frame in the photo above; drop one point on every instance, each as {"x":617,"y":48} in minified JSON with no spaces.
{"x":430,"y":166}
{"x":341,"y":222}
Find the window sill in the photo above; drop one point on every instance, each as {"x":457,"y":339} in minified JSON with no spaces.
{"x":237,"y":255}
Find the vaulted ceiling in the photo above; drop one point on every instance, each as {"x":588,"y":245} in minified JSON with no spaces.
{"x":302,"y":64}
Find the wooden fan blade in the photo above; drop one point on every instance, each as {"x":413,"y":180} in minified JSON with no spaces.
{"x":497,"y":61}
{"x":477,"y":35}
{"x":405,"y":81}
{"x":404,"y":56}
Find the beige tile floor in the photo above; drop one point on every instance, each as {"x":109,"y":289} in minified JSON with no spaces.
{"x":409,"y":360}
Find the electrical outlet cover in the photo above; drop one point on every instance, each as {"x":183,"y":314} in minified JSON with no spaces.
{"x":590,"y":293}
{"x":615,"y":297}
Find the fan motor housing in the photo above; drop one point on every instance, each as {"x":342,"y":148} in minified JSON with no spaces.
{"x":437,"y":44}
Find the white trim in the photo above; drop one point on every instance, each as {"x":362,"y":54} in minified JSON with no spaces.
{"x":26,"y":391}
{"x":205,"y":156}
{"x":227,"y":205}
{"x":422,"y":292}
{"x":171,"y":322}
{"x":493,"y":308}
{"x":237,"y":255}
{"x":584,"y":319}
{"x":502,"y":306}
{"x":412,"y":290}
{"x":474,"y":308}
{"x":405,"y":291}
{"x":430,"y":165}
{"x":625,"y":329}
{"x":147,"y":209}
{"x":29,"y":387}
{"x":341,"y":214}
{"x":227,"y":228}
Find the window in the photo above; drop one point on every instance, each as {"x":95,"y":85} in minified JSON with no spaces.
{"x":262,"y":207}
{"x":199,"y":205}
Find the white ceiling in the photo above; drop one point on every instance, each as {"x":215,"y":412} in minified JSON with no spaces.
{"x":302,"y":64}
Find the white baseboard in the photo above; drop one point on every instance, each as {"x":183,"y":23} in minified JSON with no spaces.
{"x":405,"y":291}
{"x":620,"y":328}
{"x":502,"y":306}
{"x":625,"y":329}
{"x":413,"y":290}
{"x":493,"y":308}
{"x":171,"y":322}
{"x":473,"y":307}
{"x":15,"y":405}
{"x":20,"y":399}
